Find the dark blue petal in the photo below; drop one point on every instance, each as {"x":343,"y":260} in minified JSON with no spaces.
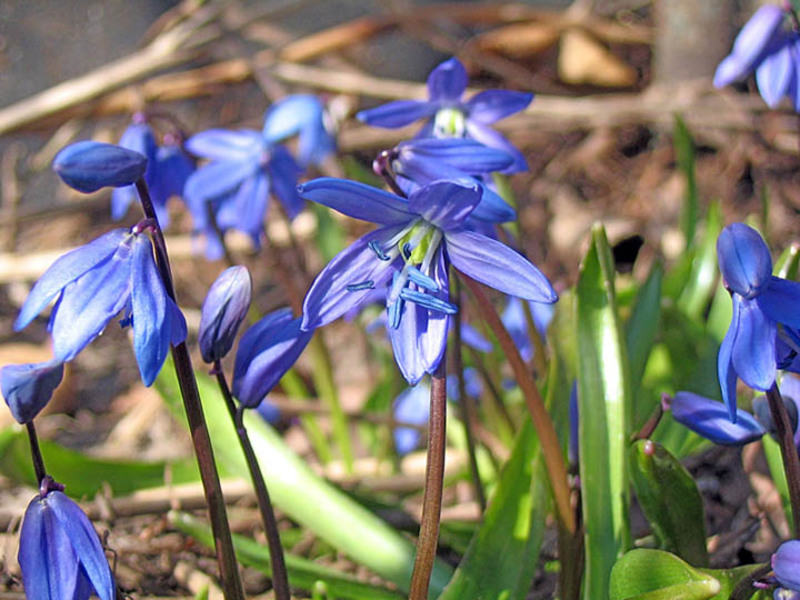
{"x":88,"y":166}
{"x":279,"y":351}
{"x":780,"y":301}
{"x":753,"y":353}
{"x":224,"y":309}
{"x":397,"y":114}
{"x":493,"y":105}
{"x":776,"y":73}
{"x":498,"y":266}
{"x":284,"y":172}
{"x":89,"y":303}
{"x":249,"y":207}
{"x":744,"y":260}
{"x":66,"y":270}
{"x":412,"y":406}
{"x":710,"y":419}
{"x":786,"y":564}
{"x":85,"y":542}
{"x":469,"y":156}
{"x":28,"y":388}
{"x":151,"y":319}
{"x":177,"y":323}
{"x":492,"y":208}
{"x":328,"y":299}
{"x":446,"y":204}
{"x":487,"y":135}
{"x":725,"y":370}
{"x":358,"y":200}
{"x":447,"y":82}
{"x":255,"y":336}
{"x":121,"y":199}
{"x":226,"y":146}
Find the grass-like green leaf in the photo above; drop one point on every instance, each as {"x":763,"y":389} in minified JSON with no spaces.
{"x":685,"y":155}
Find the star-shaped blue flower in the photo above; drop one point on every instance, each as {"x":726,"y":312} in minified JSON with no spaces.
{"x":766,"y":311}
{"x":419,"y":238}
{"x":303,"y":115}
{"x":92,"y":284}
{"x":449,"y":116}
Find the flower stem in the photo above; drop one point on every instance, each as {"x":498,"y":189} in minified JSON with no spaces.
{"x":554,"y":460}
{"x":434,"y":485}
{"x":280,"y":579}
{"x":226,"y":558}
{"x":36,"y":453}
{"x":791,"y":463}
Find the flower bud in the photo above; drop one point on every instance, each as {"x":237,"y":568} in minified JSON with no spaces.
{"x":744,"y":260}
{"x":224,"y":309}
{"x":88,"y":166}
{"x":711,"y":420}
{"x":28,"y":388}
{"x":786,"y":564}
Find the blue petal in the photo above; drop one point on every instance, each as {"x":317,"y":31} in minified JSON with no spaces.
{"x":328,"y":299}
{"x":498,"y":266}
{"x":447,"y":82}
{"x":251,"y":341}
{"x":88,"y":304}
{"x":487,"y":135}
{"x":469,"y":156}
{"x":177,"y":323}
{"x":226,"y":146}
{"x":492,"y":208}
{"x":472,"y":338}
{"x":284,"y":172}
{"x":121,"y":199}
{"x":85,"y":542}
{"x":744,"y":260}
{"x":290,"y":115}
{"x":66,"y":270}
{"x":710,"y":419}
{"x":397,"y":114}
{"x":786,"y":564}
{"x":412,"y":406}
{"x":725,"y":370}
{"x":151,"y":319}
{"x":278,"y":352}
{"x":88,"y":166}
{"x":224,"y":309}
{"x":215,"y":180}
{"x":775,"y":74}
{"x":753,"y":353}
{"x":446,"y":204}
{"x":491,"y":106}
{"x":358,"y":200}
{"x":781,"y":301}
{"x":28,"y":388}
{"x":249,"y":207}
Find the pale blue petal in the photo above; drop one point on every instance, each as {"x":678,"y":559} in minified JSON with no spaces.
{"x":284,"y":172}
{"x":250,"y":207}
{"x":358,"y":200}
{"x":216,"y":180}
{"x":774,"y":75}
{"x":487,"y":135}
{"x":473,"y":338}
{"x":446,"y":204}
{"x":781,"y":301}
{"x":290,"y":115}
{"x":151,"y":326}
{"x":397,"y":114}
{"x":66,"y":270}
{"x":447,"y":82}
{"x":469,"y":156}
{"x":498,"y":266}
{"x":492,"y":208}
{"x":490,"y":106}
{"x":412,"y":406}
{"x":753,"y":353}
{"x":786,"y":564}
{"x":226,"y":146}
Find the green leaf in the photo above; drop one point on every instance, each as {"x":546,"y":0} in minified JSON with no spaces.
{"x":604,"y":399}
{"x":642,"y":327}
{"x":502,"y":556}
{"x":658,"y":575}
{"x":303,"y":573}
{"x":685,"y":155}
{"x":83,"y":476}
{"x":300,"y":493}
{"x":772,"y":451}
{"x":703,"y":274}
{"x":670,"y":500}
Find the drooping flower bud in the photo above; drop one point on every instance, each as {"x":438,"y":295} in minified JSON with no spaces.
{"x":224,"y":309}
{"x":786,"y":564}
{"x":711,"y":420}
{"x":28,"y":388}
{"x":88,"y":166}
{"x":744,"y":260}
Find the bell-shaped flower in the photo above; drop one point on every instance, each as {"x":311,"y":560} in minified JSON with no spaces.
{"x":449,"y":116}
{"x":786,"y":564}
{"x":765,"y":45}
{"x":266,"y":351}
{"x":765,"y":309}
{"x":416,"y":163}
{"x":410,"y":254}
{"x":224,"y":309}
{"x":59,"y":552}
{"x":710,"y":419}
{"x":244,"y":168}
{"x":88,"y":166}
{"x":168,"y":168}
{"x":28,"y":388}
{"x":303,"y":115}
{"x":92,"y":284}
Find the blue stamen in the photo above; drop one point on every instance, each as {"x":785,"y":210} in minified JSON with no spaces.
{"x":406,"y":251}
{"x":394,"y":311}
{"x":375,"y":247}
{"x":418,"y":277}
{"x":428,"y":301}
{"x":364,"y":285}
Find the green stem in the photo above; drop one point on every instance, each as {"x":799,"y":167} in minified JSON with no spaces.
{"x":226,"y":558}
{"x":434,"y":487}
{"x":554,"y":460}
{"x":791,"y":463}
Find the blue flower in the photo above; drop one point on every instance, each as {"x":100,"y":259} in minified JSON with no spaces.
{"x":168,"y":168}
{"x":303,"y":115}
{"x":88,"y":166}
{"x":449,"y":116}
{"x":92,"y":284}
{"x":59,"y":552}
{"x":765,"y":46}
{"x":244,"y":169}
{"x":517,"y":324}
{"x":711,"y":420}
{"x":786,"y":564}
{"x":410,"y":254}
{"x":790,"y":392}
{"x":224,"y":309}
{"x":266,"y":351}
{"x":766,"y":309}
{"x":28,"y":388}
